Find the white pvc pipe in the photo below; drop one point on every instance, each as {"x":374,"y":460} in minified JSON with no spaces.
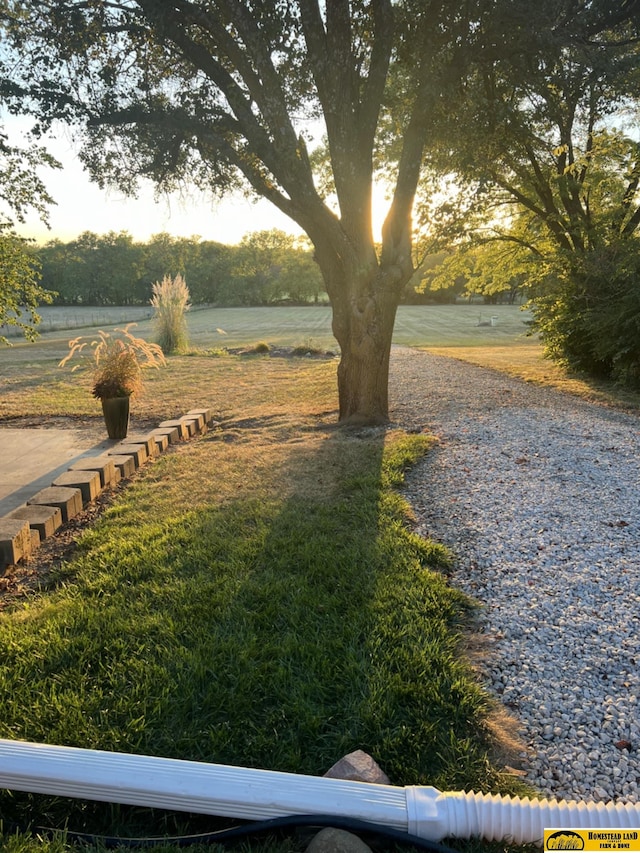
{"x":192,"y":786}
{"x":250,"y":794}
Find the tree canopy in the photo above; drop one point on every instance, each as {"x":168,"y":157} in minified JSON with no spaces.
{"x":228,"y":92}
{"x":21,"y":189}
{"x":555,"y":159}
{"x":266,"y":268}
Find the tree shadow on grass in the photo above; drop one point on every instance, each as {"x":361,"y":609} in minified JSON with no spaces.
{"x":277,"y":631}
{"x":276,"y":626}
{"x":321,"y":628}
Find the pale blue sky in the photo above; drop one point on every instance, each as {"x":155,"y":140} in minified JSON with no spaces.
{"x":82,"y":206}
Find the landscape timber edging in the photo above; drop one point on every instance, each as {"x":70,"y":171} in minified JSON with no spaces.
{"x":22,"y":529}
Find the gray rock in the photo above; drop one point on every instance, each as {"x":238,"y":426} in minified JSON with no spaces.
{"x":551,"y":549}
{"x":330,"y":840}
{"x":358,"y":767}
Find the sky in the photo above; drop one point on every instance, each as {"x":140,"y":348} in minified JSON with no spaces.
{"x":82,"y":206}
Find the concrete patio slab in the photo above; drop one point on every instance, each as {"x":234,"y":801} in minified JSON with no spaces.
{"x":31,"y":459}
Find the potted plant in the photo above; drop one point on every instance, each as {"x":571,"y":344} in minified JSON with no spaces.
{"x":116,"y":361}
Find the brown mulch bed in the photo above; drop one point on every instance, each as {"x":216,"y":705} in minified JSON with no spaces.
{"x":283,"y":352}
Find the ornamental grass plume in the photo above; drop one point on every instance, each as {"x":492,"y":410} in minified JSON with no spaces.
{"x":116,"y":359}
{"x":170,"y":301}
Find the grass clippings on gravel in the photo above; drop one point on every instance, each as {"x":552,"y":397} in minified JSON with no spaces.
{"x":526,"y":361}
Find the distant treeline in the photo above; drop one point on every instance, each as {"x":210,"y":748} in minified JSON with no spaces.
{"x":267,"y":268}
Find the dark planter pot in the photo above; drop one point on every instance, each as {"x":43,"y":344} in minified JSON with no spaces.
{"x":116,"y":416}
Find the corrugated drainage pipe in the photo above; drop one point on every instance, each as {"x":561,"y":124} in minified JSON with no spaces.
{"x":249,"y":794}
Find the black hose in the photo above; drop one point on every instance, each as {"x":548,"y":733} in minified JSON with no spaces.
{"x":264,"y":826}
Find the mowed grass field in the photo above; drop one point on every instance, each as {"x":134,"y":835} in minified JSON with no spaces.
{"x":460,"y":331}
{"x":417,"y":325}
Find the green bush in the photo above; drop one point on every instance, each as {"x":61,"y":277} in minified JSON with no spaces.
{"x":588,"y":316}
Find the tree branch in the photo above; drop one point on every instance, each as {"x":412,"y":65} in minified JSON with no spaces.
{"x":553,"y":224}
{"x":378,"y":69}
{"x":627,"y":199}
{"x":632,"y":223}
{"x":280,"y":159}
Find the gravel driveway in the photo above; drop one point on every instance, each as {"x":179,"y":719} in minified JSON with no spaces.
{"x":538,"y":494}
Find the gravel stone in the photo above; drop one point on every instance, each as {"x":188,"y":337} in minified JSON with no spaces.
{"x":538,"y":495}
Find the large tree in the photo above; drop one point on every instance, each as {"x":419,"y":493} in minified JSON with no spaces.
{"x":217,"y":91}
{"x":552,"y":145}
{"x":213,"y":91}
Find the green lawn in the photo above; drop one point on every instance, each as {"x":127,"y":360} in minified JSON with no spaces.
{"x":255,"y":597}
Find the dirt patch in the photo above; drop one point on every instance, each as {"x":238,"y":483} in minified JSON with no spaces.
{"x":283,"y":352}
{"x":41,"y":571}
{"x":84,"y":422}
{"x":87,"y":423}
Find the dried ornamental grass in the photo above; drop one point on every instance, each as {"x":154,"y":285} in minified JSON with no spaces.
{"x":170,"y":301}
{"x":117,"y":361}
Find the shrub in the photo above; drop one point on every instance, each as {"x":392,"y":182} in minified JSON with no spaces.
{"x":589,"y":315}
{"x":307,"y":348}
{"x":170,"y":301}
{"x":261,"y":348}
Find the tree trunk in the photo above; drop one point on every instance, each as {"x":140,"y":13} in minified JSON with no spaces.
{"x":363,"y":324}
